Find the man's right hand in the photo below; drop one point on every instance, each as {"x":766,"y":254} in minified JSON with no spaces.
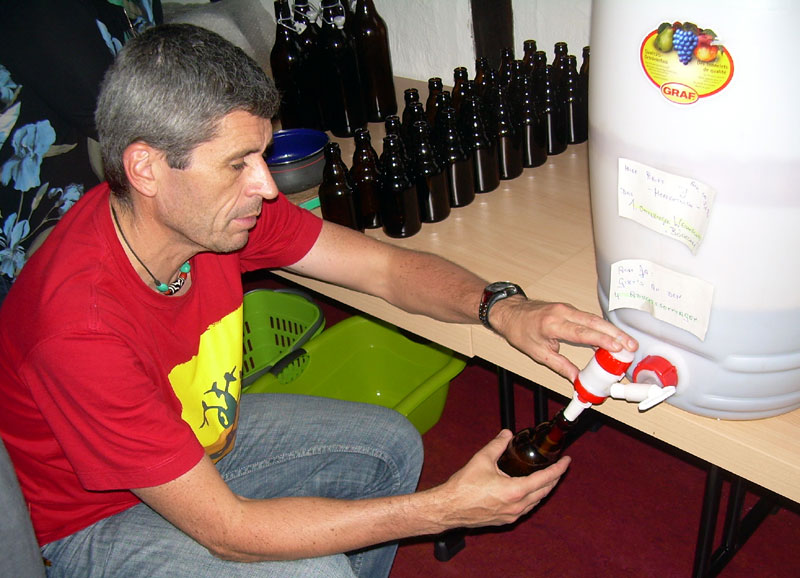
{"x":480,"y":494}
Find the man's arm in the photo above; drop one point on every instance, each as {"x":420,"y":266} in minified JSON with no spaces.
{"x":424,"y":283}
{"x":236,"y":528}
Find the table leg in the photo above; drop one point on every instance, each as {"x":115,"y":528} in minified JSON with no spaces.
{"x":505,"y":384}
{"x":737,"y":530}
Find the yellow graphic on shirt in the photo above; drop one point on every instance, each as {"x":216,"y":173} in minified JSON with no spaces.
{"x":209,"y":385}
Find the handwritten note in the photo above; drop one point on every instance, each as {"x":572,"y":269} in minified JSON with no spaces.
{"x":672,"y":297}
{"x":675,"y":206}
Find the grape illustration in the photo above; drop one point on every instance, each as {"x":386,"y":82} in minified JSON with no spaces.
{"x":684,"y":41}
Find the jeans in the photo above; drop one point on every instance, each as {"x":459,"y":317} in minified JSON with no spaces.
{"x":286,"y":445}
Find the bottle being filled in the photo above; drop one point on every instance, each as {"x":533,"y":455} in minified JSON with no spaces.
{"x":535,"y":448}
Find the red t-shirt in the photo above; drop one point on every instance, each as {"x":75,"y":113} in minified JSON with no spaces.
{"x":108,"y":385}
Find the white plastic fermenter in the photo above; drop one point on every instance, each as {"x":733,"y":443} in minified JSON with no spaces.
{"x":694,"y":161}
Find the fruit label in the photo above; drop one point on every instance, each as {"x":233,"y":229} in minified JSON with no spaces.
{"x":686,"y":62}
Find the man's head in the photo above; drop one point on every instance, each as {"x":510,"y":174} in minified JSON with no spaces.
{"x":170,"y":87}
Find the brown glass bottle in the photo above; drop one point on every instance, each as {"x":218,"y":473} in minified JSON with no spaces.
{"x":457,"y":94}
{"x":286,"y":61}
{"x":398,"y":194}
{"x":375,"y":61}
{"x":414,"y":112}
{"x":443,"y":100}
{"x":484,"y":150}
{"x":488,"y":104}
{"x":534,"y":137}
{"x":343,"y":102}
{"x":455,"y":160}
{"x":560,"y":53}
{"x":336,"y":198}
{"x":552,"y":114}
{"x":481,"y":66}
{"x":528,"y":55}
{"x":308,"y":39}
{"x":410,"y":96}
{"x":431,"y":181}
{"x":365,"y":176}
{"x":435,"y":88}
{"x":509,"y":141}
{"x":534,"y":449}
{"x":574,"y":106}
{"x":393,"y":125}
{"x":583,"y":73}
{"x":505,"y":71}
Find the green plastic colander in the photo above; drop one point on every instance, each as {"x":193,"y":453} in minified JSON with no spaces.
{"x":277,"y":323}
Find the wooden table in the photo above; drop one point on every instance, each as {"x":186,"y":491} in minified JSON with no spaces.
{"x":536,"y":230}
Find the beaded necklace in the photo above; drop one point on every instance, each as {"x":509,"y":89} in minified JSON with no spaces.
{"x":161,"y":287}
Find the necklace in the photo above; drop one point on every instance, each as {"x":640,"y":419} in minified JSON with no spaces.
{"x":170,"y":289}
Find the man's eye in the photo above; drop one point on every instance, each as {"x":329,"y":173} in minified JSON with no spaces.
{"x":239,"y":166}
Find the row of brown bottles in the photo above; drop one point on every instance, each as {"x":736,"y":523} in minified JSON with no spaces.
{"x":334,"y":71}
{"x":460,"y":143}
{"x":529,"y":109}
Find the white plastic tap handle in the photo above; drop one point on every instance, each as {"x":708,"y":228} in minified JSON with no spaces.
{"x":631,"y":391}
{"x":662,"y":394}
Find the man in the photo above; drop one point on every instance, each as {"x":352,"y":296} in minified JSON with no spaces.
{"x":121,"y":354}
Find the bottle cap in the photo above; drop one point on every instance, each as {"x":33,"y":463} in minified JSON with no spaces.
{"x":655,"y":369}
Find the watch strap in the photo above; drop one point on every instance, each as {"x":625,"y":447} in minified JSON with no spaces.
{"x":493,"y":293}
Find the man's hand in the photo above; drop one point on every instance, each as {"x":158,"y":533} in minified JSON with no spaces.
{"x":480,"y":494}
{"x":537,"y":327}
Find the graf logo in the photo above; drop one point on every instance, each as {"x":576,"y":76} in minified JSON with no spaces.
{"x":679,"y":93}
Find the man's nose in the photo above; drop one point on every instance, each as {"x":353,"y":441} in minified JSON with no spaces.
{"x":263,"y":184}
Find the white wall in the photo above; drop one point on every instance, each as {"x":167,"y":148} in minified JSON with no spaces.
{"x":431,"y":37}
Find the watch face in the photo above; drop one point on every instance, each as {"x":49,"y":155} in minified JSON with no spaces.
{"x":498,"y":286}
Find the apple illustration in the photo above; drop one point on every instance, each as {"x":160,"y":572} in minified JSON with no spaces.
{"x":705,"y":51}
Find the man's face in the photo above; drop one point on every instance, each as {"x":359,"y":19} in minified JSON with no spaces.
{"x":214,"y":202}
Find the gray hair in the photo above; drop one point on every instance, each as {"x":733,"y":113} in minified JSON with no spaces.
{"x":170,"y":87}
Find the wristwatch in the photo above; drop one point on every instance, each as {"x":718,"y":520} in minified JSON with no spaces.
{"x":493,"y":293}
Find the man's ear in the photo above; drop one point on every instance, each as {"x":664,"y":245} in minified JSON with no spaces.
{"x":143,"y":164}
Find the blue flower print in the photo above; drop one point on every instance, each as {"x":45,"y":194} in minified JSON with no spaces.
{"x":66,"y":197}
{"x":12,"y":255}
{"x":8,"y":88}
{"x":30,"y":143}
{"x":113,"y":44}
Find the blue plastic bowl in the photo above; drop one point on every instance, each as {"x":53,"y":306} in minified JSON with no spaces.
{"x":296,"y":159}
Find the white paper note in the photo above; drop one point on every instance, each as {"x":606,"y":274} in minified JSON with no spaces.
{"x":675,"y":206}
{"x":675,"y":298}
